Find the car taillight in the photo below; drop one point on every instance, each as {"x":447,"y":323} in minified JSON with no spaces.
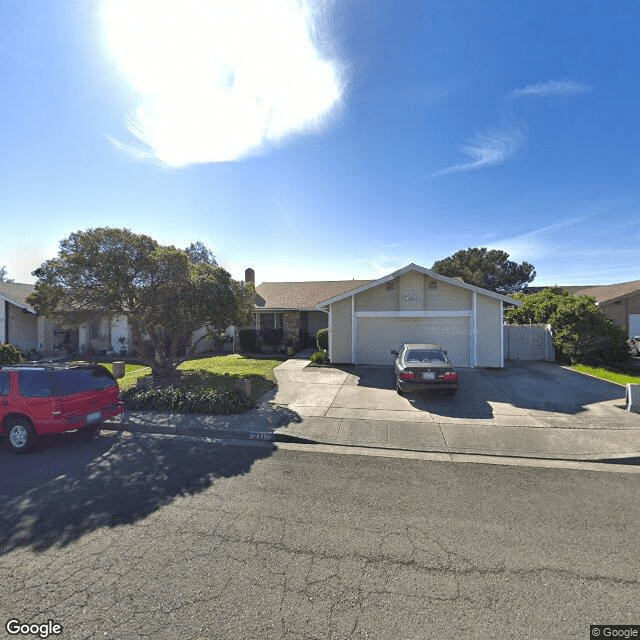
{"x":450,"y":376}
{"x":408,"y":375}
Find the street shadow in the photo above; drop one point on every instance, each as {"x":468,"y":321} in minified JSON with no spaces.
{"x":536,"y":386}
{"x":72,"y":485}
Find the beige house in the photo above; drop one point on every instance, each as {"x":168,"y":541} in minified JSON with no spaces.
{"x":620,"y":302}
{"x":415,"y":304}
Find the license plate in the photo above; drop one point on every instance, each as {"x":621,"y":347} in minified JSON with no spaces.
{"x":429,"y":376}
{"x":92,"y":418}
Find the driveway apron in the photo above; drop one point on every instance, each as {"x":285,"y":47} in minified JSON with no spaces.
{"x":531,"y":409}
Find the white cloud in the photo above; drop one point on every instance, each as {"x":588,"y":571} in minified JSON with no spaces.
{"x":217,"y":80}
{"x":551,"y":88}
{"x":487,"y":150}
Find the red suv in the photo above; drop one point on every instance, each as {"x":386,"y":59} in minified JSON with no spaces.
{"x":50,"y":398}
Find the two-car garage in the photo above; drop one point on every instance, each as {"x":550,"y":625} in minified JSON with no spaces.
{"x":416,"y":305}
{"x":376,"y":336}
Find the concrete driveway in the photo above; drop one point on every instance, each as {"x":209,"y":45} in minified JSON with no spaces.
{"x":526,"y":409}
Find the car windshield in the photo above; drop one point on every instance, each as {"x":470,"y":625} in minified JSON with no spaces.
{"x":425,"y":355}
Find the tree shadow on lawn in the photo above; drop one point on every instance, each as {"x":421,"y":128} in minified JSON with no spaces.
{"x":70,"y":486}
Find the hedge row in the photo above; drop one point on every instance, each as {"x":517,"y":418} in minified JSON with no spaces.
{"x":171,"y":399}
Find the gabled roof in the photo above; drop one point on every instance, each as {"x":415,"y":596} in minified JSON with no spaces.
{"x":609,"y":292}
{"x":17,"y":293}
{"x":427,"y":272}
{"x":603,"y":293}
{"x":301,"y":296}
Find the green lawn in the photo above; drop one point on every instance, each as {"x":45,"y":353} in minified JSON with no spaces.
{"x":217,"y":372}
{"x":607,"y":374}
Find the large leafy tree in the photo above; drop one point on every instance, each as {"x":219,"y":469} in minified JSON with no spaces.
{"x":581,"y":332}
{"x":164,"y":294}
{"x":487,"y":268}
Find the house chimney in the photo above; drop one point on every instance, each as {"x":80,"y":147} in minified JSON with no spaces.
{"x":250,"y":275}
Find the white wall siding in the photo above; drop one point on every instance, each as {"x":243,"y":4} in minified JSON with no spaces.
{"x":120,"y":328}
{"x":411,"y":294}
{"x":378,"y":298}
{"x":488,"y":331}
{"x":446,"y":297}
{"x":23,"y":329}
{"x":341,"y":331}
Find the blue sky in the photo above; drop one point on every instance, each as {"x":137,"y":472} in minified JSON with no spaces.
{"x":326,"y":140}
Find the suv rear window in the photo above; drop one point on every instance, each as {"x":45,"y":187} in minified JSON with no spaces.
{"x":35,"y":384}
{"x":77,"y":380}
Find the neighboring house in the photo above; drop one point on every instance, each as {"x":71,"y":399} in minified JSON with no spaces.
{"x":19,"y":324}
{"x":33,"y":335}
{"x":415,"y":304}
{"x":620,"y":302}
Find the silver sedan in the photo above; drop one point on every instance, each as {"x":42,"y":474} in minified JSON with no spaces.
{"x":421,"y":367}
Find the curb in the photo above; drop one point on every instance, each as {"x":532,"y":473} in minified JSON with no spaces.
{"x":209,"y":432}
{"x":275,"y":437}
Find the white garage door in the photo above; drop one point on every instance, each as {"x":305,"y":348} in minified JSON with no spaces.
{"x":377,"y":336}
{"x":634,"y":324}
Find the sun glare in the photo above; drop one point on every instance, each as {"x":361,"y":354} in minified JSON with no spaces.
{"x":216,"y":80}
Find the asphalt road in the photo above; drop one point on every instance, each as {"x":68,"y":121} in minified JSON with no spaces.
{"x":136,"y":536}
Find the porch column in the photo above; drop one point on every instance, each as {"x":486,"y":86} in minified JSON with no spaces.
{"x":4,"y":312}
{"x":473,"y":355}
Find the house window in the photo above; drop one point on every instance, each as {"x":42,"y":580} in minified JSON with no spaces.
{"x":94,"y":329}
{"x":389,"y":286}
{"x":433,"y":285}
{"x":266,"y":321}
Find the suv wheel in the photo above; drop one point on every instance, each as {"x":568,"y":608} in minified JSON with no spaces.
{"x":21,"y":436}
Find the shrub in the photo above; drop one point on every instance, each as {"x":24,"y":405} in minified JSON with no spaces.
{"x":10,"y":354}
{"x":172,"y":399}
{"x":322,"y":339}
{"x":273,"y":337}
{"x":319,"y":357}
{"x":248,"y":339}
{"x":582,"y":334}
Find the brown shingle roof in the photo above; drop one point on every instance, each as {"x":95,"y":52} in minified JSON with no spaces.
{"x":301,"y":295}
{"x":605,"y":292}
{"x":601,"y":292}
{"x":16,"y":291}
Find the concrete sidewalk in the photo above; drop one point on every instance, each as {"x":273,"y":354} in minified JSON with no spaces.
{"x":534,"y":411}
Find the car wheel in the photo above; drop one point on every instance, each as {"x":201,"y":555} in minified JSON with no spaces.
{"x":399,"y":390}
{"x":21,"y":436}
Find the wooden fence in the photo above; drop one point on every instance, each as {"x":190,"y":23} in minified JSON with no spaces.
{"x":528,"y":342}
